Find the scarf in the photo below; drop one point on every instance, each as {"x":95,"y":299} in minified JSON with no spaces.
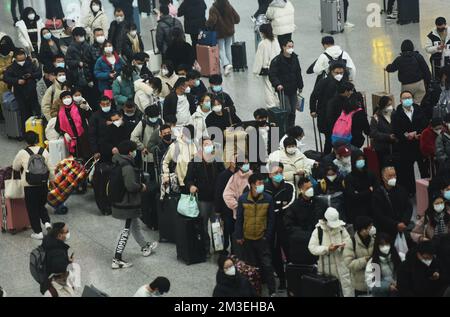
{"x":134,"y":43}
{"x":105,"y":59}
{"x":66,"y":127}
{"x":441,"y":227}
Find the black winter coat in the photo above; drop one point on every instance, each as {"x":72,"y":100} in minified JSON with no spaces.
{"x":286,"y":72}
{"x":76,"y":53}
{"x":411,"y":67}
{"x":114,"y":136}
{"x":233,"y":286}
{"x":53,"y":9}
{"x":15,"y":72}
{"x":323,"y":92}
{"x":181,"y":54}
{"x":194,"y":15}
{"x":97,"y":129}
{"x":203,"y":176}
{"x":387,"y":214}
{"x":56,"y":252}
{"x":221,"y":183}
{"x":46,"y":54}
{"x":116,"y":34}
{"x":171,"y":104}
{"x":300,"y":221}
{"x":222,"y":122}
{"x":224,"y":98}
{"x":127,"y":48}
{"x":380,"y":132}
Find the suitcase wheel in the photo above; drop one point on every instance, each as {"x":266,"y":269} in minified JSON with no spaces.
{"x":321,"y":31}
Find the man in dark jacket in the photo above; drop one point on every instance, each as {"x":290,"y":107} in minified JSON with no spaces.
{"x":325,"y":89}
{"x":126,"y":6}
{"x":421,"y":274}
{"x":194,"y":18}
{"x":334,"y":106}
{"x":22,"y":75}
{"x":179,"y":104}
{"x":285,"y":74}
{"x":128,"y":49}
{"x":159,"y":150}
{"x":391,"y":207}
{"x":118,"y":30}
{"x":283,"y":196}
{"x":166,"y":25}
{"x":97,"y":126}
{"x":254,"y":228}
{"x":115,"y":133}
{"x":408,"y":122}
{"x":300,"y":221}
{"x":216,"y":89}
{"x":197,"y":86}
{"x":140,"y":66}
{"x":97,"y":46}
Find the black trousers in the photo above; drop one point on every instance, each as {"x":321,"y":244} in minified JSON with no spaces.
{"x":257,"y":253}
{"x":14,"y":3}
{"x":228,"y":229}
{"x":390,"y":6}
{"x":279,"y":246}
{"x":28,"y":104}
{"x":345,"y":10}
{"x":406,"y":176}
{"x":194,"y":39}
{"x":35,"y":200}
{"x":328,"y":145}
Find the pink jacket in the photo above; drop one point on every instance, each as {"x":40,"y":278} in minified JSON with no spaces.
{"x":234,"y":189}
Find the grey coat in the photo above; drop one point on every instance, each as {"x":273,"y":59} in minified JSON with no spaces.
{"x":443,"y":149}
{"x":164,"y":30}
{"x":130,"y":207}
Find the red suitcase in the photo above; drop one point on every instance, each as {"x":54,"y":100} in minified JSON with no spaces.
{"x":14,"y":214}
{"x":208,"y":59}
{"x":422,"y":196}
{"x":373,"y":163}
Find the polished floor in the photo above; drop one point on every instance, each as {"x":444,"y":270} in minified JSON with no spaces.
{"x":93,"y":237}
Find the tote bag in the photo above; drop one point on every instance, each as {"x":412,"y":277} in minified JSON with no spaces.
{"x":188,"y":206}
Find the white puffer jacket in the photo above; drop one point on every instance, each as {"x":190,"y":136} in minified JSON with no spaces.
{"x":198,"y":121}
{"x":144,"y":95}
{"x":323,"y":62}
{"x":91,"y":22}
{"x":292,"y":163}
{"x":24,"y":38}
{"x":333,"y":261}
{"x":282,"y":16}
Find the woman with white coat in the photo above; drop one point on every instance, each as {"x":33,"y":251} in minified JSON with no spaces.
{"x":281,"y":13}
{"x":268,"y":48}
{"x":198,"y":119}
{"x":96,"y":19}
{"x":327,"y":242}
{"x":147,"y":92}
{"x":29,"y":31}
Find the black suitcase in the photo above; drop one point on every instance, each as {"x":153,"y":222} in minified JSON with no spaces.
{"x":149,"y":198}
{"x":408,"y":11}
{"x":319,"y":285}
{"x":167,"y":217}
{"x":239,"y":56}
{"x":294,"y":273}
{"x":190,"y":240}
{"x":92,"y":291}
{"x":100,"y":181}
{"x":279,"y":116}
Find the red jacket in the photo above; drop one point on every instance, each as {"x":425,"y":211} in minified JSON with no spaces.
{"x":428,"y":142}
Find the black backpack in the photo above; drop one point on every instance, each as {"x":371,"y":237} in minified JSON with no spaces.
{"x":115,"y":188}
{"x":340,"y":60}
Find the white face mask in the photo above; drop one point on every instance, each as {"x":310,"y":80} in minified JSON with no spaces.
{"x":426,"y":262}
{"x":118,"y":123}
{"x":133,"y":154}
{"x":67,"y":236}
{"x":133,"y":33}
{"x":339,"y":77}
{"x":109,"y":49}
{"x":95,"y":8}
{"x":21,"y":63}
{"x":372,"y":231}
{"x":332,"y":178}
{"x":439,"y":208}
{"x":388,"y":110}
{"x":62,"y":79}
{"x":231,"y":271}
{"x":100,"y":39}
{"x":385,"y":249}
{"x":164,"y":72}
{"x":81,"y":39}
{"x":31,"y":16}
{"x":187,"y":90}
{"x":290,"y":51}
{"x":120,"y":19}
{"x":106,"y":109}
{"x":392,"y":182}
{"x":67,"y":101}
{"x":291,"y":150}
{"x":217,"y":108}
{"x":77,"y":99}
{"x":309,"y":193}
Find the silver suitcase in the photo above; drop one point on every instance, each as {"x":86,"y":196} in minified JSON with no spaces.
{"x":13,"y":121}
{"x":332,"y":16}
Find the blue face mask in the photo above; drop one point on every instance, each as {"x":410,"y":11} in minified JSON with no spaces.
{"x":360,"y":164}
{"x":153,"y":120}
{"x":47,"y":36}
{"x":447,"y":195}
{"x":260,"y":189}
{"x":217,"y":88}
{"x":245,"y":168}
{"x":208,"y":149}
{"x":197,"y":83}
{"x":62,"y":65}
{"x":407,"y":102}
{"x":207,"y":105}
{"x":278,"y":178}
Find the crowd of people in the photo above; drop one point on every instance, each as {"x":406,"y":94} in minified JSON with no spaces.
{"x":156,"y":136}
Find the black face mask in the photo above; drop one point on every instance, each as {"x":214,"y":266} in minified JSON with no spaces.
{"x":167,"y":137}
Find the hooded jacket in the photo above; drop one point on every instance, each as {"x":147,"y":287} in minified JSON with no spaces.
{"x":123,"y":89}
{"x":266,"y":52}
{"x":292,"y":163}
{"x":181,"y":153}
{"x":97,"y":21}
{"x":411,"y":67}
{"x":323,"y":62}
{"x":24,"y":38}
{"x":235,"y":188}
{"x":223,"y":24}
{"x":282,"y":16}
{"x":56,"y":251}
{"x":49,"y":103}
{"x":5,"y":62}
{"x":144,"y":95}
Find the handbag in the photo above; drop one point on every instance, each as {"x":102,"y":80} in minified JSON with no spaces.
{"x":14,"y":188}
{"x":400,"y":244}
{"x":217,"y":234}
{"x":207,"y":38}
{"x":264,"y":72}
{"x":188,"y":206}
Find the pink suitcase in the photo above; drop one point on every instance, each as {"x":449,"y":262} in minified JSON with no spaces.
{"x":208,"y":59}
{"x":422,"y":196}
{"x":14,"y":215}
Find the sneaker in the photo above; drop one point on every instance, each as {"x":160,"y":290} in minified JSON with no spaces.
{"x":120,"y":264}
{"x":391,"y":17}
{"x":37,"y":236}
{"x":349,"y":25}
{"x":48,"y":226}
{"x":148,"y":249}
{"x":228,"y":70}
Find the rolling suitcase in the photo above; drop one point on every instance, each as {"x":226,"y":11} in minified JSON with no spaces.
{"x":13,"y":120}
{"x":14,"y":214}
{"x":190,"y":240}
{"x":332,"y":16}
{"x":422,"y":196}
{"x":279,"y":116}
{"x":37,"y":126}
{"x":167,"y":217}
{"x":408,"y":11}
{"x":57,"y":152}
{"x":149,"y":199}
{"x":208,"y":59}
{"x":294,"y":273}
{"x":239,"y":56}
{"x":155,"y":55}
{"x":387,"y":92}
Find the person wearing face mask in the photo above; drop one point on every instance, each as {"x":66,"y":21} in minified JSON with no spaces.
{"x":123,"y":86}
{"x":98,"y":122}
{"x":283,"y":196}
{"x":157,"y":288}
{"x":52,"y":93}
{"x":118,"y":30}
{"x":332,"y":182}
{"x":198,"y":119}
{"x":359,"y":187}
{"x":294,"y":161}
{"x":413,"y":71}
{"x":166,"y":26}
{"x":131,"y":115}
{"x":428,"y":142}
{"x":216,"y":89}
{"x":435,"y":223}
{"x":201,"y":176}
{"x":128,"y":207}
{"x":179,"y":51}
{"x":126,"y":6}
{"x":108,"y":67}
{"x":383,"y":139}
{"x":221,"y":117}
{"x":160,"y":149}
{"x":255,"y":220}
{"x":328,"y":242}
{"x":147,"y":92}
{"x":324,"y":91}
{"x":443,"y":145}
{"x":381,"y":269}
{"x":140,"y":68}
{"x":168,"y":78}
{"x":285,"y":75}
{"x":44,"y":83}
{"x":96,"y":19}
{"x":298,"y":134}
{"x":97,"y":45}
{"x":179,"y":103}
{"x":229,"y":282}
{"x":29,"y":30}
{"x":343,"y":160}
{"x":437,"y":45}
{"x":146,"y":133}
{"x":132,"y":43}
{"x":115,"y":134}
{"x":7,"y":49}
{"x":408,"y":123}
{"x":391,"y":207}
{"x":49,"y":48}
{"x":300,"y":221}
{"x":420,"y":275}
{"x":81,"y":103}
{"x":198,"y":88}
{"x":359,"y":252}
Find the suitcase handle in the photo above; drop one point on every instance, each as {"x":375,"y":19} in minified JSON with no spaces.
{"x":387,"y":82}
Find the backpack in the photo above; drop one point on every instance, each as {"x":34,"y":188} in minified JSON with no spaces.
{"x":37,"y":171}
{"x":172,"y":27}
{"x":442,"y":108}
{"x":115,"y":188}
{"x":342,"y":130}
{"x":37,"y":265}
{"x":339,"y":60}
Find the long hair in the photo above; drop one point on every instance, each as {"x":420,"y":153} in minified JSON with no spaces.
{"x":430,"y":214}
{"x":221,"y":6}
{"x":385,"y":238}
{"x":267,"y":30}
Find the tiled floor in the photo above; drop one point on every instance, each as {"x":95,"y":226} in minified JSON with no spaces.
{"x":93,"y":236}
